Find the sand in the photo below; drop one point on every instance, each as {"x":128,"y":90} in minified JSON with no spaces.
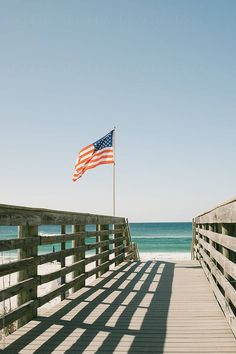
{"x":168,"y":256}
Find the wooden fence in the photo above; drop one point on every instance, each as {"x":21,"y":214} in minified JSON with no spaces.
{"x":214,"y":245}
{"x":107,"y":236}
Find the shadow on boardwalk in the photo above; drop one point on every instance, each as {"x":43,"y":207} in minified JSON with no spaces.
{"x":123,"y":311}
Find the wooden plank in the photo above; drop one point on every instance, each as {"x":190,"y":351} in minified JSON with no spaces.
{"x":18,"y":313}
{"x":15,"y":266}
{"x":50,"y":257}
{"x":17,"y":288}
{"x":76,"y":282}
{"x":138,"y":308}
{"x":45,"y":240}
{"x":222,"y":300}
{"x":104,"y":265}
{"x":49,"y":240}
{"x":224,"y":213}
{"x":7,"y":245}
{"x":96,"y":257}
{"x":96,"y":245}
{"x":107,"y":253}
{"x":224,"y":240}
{"x":230,"y":292}
{"x":225,"y":263}
{"x":45,"y":258}
{"x":60,"y":273}
{"x":17,"y":215}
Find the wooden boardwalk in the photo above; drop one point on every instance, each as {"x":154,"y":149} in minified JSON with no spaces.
{"x":141,"y":307}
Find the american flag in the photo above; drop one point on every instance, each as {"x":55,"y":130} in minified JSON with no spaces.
{"x":93,"y":155}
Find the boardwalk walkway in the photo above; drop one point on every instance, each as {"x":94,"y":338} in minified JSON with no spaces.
{"x":141,"y":307}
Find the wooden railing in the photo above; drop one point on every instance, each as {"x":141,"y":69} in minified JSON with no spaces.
{"x":109,"y":238}
{"x":214,"y":245}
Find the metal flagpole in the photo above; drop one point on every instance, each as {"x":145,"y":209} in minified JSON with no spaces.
{"x":114,"y":174}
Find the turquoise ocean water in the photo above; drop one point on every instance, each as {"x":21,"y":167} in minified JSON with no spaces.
{"x":162,"y":236}
{"x":150,"y":237}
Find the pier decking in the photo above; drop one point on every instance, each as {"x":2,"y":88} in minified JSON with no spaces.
{"x":131,"y":306}
{"x":141,"y":307}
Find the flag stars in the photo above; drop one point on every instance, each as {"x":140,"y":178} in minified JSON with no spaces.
{"x":104,"y":142}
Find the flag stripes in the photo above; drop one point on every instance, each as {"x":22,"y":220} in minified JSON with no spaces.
{"x":93,"y":155}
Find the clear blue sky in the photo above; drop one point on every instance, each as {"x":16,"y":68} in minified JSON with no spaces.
{"x":163,"y":72}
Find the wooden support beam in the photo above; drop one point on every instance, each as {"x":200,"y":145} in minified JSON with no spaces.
{"x":79,"y":254}
{"x":63,"y":260}
{"x":105,"y":247}
{"x":98,"y":250}
{"x":226,"y":264}
{"x":28,"y":295}
{"x":23,"y":216}
{"x":118,"y":242}
{"x":193,"y":239}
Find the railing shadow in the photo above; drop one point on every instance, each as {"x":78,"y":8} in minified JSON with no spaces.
{"x":126,"y":311}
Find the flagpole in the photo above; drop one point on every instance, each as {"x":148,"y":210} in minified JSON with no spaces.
{"x":114,"y":174}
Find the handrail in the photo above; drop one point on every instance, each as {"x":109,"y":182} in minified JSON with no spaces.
{"x":110,"y":240}
{"x":214,"y":245}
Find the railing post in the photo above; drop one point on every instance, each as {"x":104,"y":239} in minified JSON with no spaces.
{"x":30,"y":272}
{"x":225,"y":250}
{"x":197,"y":241}
{"x":79,"y":255}
{"x":131,"y":247}
{"x":216,"y":246}
{"x":104,"y":248}
{"x":193,"y":239}
{"x":212,"y":243}
{"x":119,"y":243}
{"x":63,"y":261}
{"x":98,"y":228}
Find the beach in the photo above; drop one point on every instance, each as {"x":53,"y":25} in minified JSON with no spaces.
{"x":164,"y":256}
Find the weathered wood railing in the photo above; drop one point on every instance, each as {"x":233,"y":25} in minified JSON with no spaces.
{"x":214,"y":245}
{"x":110,"y":239}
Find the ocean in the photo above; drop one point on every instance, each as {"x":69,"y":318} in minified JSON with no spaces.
{"x":162,"y":236}
{"x":150,"y":237}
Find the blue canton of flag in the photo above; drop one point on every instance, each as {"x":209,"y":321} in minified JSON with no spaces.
{"x":104,"y":142}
